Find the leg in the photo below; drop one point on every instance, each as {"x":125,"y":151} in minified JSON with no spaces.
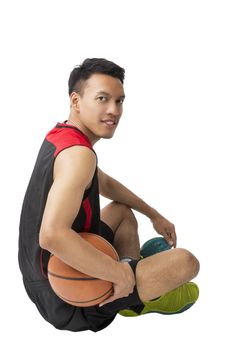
{"x":123,"y":223}
{"x":163,"y":272}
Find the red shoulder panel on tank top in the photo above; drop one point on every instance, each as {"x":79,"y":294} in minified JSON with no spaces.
{"x":64,"y":136}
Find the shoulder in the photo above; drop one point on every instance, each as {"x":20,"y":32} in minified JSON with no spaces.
{"x":75,"y":160}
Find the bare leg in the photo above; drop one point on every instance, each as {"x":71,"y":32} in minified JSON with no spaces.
{"x":124,"y":225}
{"x":157,"y":274}
{"x":163,"y":272}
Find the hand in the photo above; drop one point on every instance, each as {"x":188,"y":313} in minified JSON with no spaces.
{"x":165,"y":228}
{"x":124,"y":286}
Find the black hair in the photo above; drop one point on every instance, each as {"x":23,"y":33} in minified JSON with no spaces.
{"x":91,"y":66}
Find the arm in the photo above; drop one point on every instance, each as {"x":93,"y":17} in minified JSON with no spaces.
{"x":114,"y":190}
{"x":73,"y":171}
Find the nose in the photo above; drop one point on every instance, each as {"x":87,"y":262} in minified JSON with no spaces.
{"x":114,"y":109}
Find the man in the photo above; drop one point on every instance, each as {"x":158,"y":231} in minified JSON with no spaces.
{"x":62,"y":199}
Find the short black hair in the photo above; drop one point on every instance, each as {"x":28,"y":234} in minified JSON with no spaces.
{"x":90,"y":66}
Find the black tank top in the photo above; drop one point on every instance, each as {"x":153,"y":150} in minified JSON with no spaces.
{"x":33,"y":259}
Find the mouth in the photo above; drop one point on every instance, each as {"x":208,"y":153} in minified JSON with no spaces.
{"x":109,"y":122}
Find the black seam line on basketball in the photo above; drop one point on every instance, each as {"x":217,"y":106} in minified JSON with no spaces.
{"x":73,"y":278}
{"x":85,"y":301}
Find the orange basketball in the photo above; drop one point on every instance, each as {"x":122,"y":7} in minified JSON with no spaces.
{"x":77,"y":288}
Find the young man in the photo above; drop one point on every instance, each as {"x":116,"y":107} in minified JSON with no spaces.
{"x":62,"y":199}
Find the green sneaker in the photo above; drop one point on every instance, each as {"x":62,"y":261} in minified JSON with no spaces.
{"x":174,"y":302}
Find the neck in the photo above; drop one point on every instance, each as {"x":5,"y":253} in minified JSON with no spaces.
{"x":73,"y":121}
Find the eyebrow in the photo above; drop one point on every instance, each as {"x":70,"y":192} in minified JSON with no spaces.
{"x":106,"y":93}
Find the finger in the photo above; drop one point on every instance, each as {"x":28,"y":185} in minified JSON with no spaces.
{"x":168,"y":237}
{"x":174,"y":238}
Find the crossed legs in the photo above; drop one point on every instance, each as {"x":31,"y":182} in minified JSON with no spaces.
{"x":157,"y":274}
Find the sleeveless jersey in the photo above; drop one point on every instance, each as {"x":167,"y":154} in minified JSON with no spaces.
{"x":33,"y":259}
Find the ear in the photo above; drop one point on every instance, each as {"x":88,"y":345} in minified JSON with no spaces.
{"x":74,"y":101}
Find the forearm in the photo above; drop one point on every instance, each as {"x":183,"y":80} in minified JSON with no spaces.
{"x":76,"y":252}
{"x":114,"y":190}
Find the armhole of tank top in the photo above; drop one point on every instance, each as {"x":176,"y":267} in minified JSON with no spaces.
{"x":87,"y":192}
{"x":73,"y":145}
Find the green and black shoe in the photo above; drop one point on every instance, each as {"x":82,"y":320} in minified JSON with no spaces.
{"x":174,"y":302}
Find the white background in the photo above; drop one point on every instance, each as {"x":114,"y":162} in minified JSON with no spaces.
{"x":173,"y":147}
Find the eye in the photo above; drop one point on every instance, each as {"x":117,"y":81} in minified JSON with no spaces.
{"x":120,"y":101}
{"x":102,"y":98}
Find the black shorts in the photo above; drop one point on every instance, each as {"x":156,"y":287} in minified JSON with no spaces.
{"x":67,"y":317}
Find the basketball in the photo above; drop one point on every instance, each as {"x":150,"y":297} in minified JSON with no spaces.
{"x":77,"y":288}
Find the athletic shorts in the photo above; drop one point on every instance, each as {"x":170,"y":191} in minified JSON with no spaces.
{"x":67,"y":317}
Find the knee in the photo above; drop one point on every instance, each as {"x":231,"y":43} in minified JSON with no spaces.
{"x":127,"y":213}
{"x":189,"y":262}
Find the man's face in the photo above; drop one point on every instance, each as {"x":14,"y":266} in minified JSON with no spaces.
{"x":100,"y":106}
